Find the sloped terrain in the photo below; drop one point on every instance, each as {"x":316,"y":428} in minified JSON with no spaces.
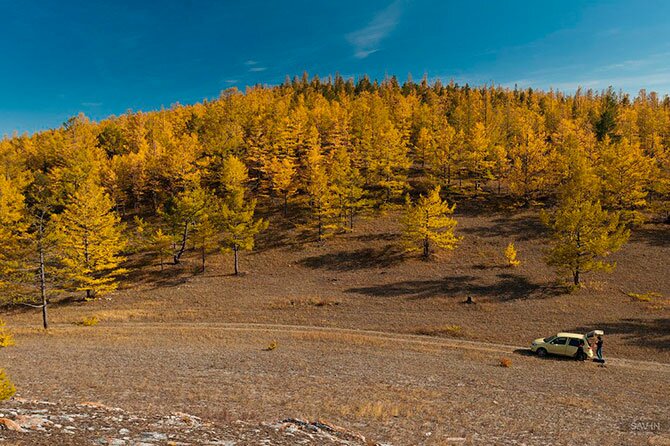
{"x":367,"y":338}
{"x":397,"y":389}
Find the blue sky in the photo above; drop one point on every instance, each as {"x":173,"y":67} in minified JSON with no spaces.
{"x":58,"y":58}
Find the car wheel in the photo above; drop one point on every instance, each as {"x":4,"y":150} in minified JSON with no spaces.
{"x":541,"y":352}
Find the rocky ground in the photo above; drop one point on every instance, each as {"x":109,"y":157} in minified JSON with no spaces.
{"x":393,"y":389}
{"x":30,"y":422}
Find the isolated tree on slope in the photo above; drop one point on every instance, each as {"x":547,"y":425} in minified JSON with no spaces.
{"x":427,"y":221}
{"x":91,"y":240}
{"x":43,"y":239}
{"x":584,"y":234}
{"x":237,"y":212}
{"x":28,"y":241}
{"x":183,"y":213}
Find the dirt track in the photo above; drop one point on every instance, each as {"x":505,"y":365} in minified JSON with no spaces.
{"x":372,"y":334}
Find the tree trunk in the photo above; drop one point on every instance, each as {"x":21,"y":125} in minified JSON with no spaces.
{"x":575,"y":273}
{"x":43,"y":288}
{"x":285,"y":205}
{"x":182,"y":248}
{"x":237,"y":260}
{"x":426,"y":248}
{"x":351,"y":218}
{"x":89,"y":294}
{"x":203,"y":256}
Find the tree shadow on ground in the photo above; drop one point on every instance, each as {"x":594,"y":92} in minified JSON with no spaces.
{"x":279,"y":234}
{"x":144,"y":270}
{"x":509,"y":287}
{"x":654,"y":333}
{"x":524,"y":227}
{"x":365,"y":258}
{"x":384,"y":236}
{"x":653,"y":235}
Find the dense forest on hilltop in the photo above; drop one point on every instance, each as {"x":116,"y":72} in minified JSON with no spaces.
{"x":76,"y":199}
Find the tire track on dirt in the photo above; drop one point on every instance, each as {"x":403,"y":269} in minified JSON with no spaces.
{"x":461,"y":344}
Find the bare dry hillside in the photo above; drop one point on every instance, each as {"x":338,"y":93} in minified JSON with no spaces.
{"x":399,"y":358}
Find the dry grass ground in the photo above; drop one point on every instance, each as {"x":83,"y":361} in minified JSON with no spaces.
{"x":390,"y":389}
{"x":158,"y":346}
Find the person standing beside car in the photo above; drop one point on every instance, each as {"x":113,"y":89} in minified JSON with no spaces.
{"x":599,"y":348}
{"x":581,"y":354}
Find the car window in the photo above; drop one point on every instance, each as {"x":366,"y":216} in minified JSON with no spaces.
{"x":574,"y":342}
{"x":559,"y":341}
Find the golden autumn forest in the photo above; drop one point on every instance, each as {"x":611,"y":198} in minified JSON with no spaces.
{"x":77,"y":201}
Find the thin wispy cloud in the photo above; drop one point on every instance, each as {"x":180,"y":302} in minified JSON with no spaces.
{"x":253,"y":66}
{"x":650,"y":61}
{"x":650,"y":73}
{"x":367,"y":40}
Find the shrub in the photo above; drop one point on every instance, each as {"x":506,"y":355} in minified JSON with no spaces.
{"x":644,"y":297}
{"x":89,"y":321}
{"x":7,"y":389}
{"x":6,"y":337}
{"x":505,"y":362}
{"x":273,"y":345}
{"x":510,"y":255}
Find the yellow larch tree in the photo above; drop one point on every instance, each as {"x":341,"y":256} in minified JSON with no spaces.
{"x":13,"y":230}
{"x":530,"y":164}
{"x":91,"y":240}
{"x":161,"y":244}
{"x":583,"y":233}
{"x":442,"y":156}
{"x":182,"y":213}
{"x":238,"y":222}
{"x":283,"y":177}
{"x":319,"y":191}
{"x":391,"y":163}
{"x":428,"y":221}
{"x":478,"y":158}
{"x":626,"y":173}
{"x":346,"y":185}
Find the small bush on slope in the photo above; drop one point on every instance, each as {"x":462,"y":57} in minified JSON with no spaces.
{"x":7,"y":389}
{"x":6,"y":337}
